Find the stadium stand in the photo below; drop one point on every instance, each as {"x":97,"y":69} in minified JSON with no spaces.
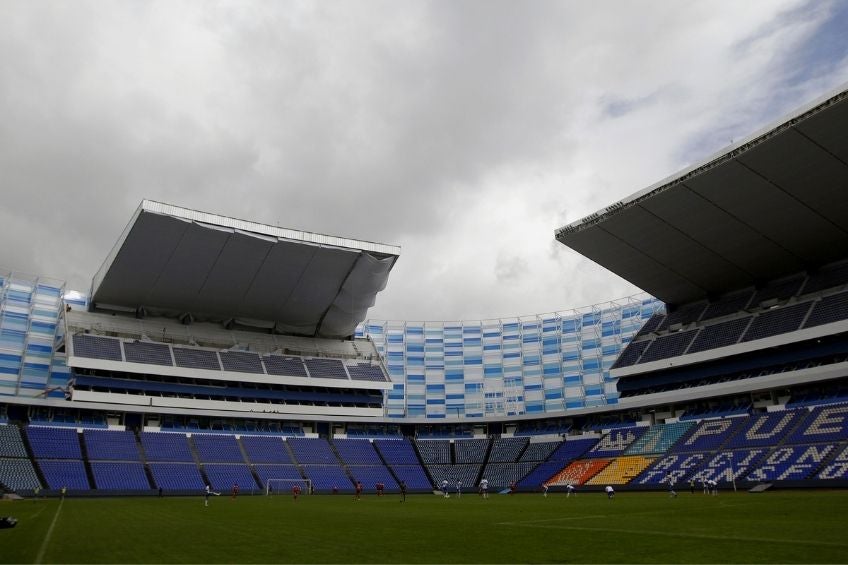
{"x":266,"y":449}
{"x":736,"y":356}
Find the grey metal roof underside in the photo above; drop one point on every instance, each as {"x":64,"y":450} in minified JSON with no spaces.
{"x":771,"y":205}
{"x":172,"y":260}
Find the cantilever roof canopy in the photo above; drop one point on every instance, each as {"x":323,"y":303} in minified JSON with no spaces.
{"x":772,"y":205}
{"x":173,"y":261}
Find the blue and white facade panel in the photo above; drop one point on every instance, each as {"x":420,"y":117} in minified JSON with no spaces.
{"x":543,"y":365}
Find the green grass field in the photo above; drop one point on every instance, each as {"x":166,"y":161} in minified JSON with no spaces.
{"x":773,"y":527}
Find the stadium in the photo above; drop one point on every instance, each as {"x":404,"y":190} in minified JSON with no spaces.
{"x":215,"y":351}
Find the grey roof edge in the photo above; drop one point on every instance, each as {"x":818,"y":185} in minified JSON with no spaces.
{"x":265,"y":229}
{"x":728,"y":153}
{"x":110,"y":257}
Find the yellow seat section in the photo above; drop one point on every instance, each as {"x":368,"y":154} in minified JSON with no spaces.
{"x":578,"y":472}
{"x":621,"y":470}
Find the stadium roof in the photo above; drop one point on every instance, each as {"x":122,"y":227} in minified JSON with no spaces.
{"x":173,"y":261}
{"x":771,"y":205}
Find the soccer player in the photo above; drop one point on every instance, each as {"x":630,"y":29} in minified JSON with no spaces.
{"x":206,"y":494}
{"x":692,"y":486}
{"x":458,"y":488}
{"x":544,"y":490}
{"x":610,"y":492}
{"x":235,"y":491}
{"x":712,"y":485}
{"x":569,"y":490}
{"x":484,"y":487}
{"x":445,"y":488}
{"x":512,"y":487}
{"x":295,"y":491}
{"x":402,"y":491}
{"x":671,"y":492}
{"x":379,"y":488}
{"x":358,"y":494}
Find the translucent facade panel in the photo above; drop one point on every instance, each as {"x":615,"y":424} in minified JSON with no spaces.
{"x":547,"y":364}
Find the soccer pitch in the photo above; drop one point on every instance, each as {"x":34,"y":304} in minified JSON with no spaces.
{"x":772,"y":527}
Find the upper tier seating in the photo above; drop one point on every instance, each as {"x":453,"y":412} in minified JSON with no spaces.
{"x":366,"y":372}
{"x":321,"y":368}
{"x":507,"y":449}
{"x":539,"y":451}
{"x":834,"y":276}
{"x":720,"y":335}
{"x":397,"y":452}
{"x":148,"y":352}
{"x":164,"y":446}
{"x":11,"y":443}
{"x":357,"y":452}
{"x":658,"y":438}
{"x":709,"y":434}
{"x":824,"y":423}
{"x":827,"y":310}
{"x":111,"y":445}
{"x":729,"y":304}
{"x":217,"y":448}
{"x":616,"y":442}
{"x":266,"y":449}
{"x":434,"y":451}
{"x":777,"y":321}
{"x":666,"y":346}
{"x":683,"y":315}
{"x":312,"y":450}
{"x":97,"y":347}
{"x":766,"y":429}
{"x":284,"y":366}
{"x":197,"y":358}
{"x":471,"y":450}
{"x":780,"y":290}
{"x":241,"y":362}
{"x":53,"y":443}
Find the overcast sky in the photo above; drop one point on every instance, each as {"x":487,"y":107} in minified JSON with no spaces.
{"x":464,"y":131}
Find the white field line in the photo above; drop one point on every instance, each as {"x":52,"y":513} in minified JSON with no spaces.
{"x":43,"y":548}
{"x":531,"y":524}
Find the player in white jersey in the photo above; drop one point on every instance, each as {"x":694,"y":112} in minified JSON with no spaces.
{"x":484,"y":487}
{"x":610,"y":492}
{"x":569,"y":490}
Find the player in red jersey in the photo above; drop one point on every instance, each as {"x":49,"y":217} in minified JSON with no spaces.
{"x":295,"y":491}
